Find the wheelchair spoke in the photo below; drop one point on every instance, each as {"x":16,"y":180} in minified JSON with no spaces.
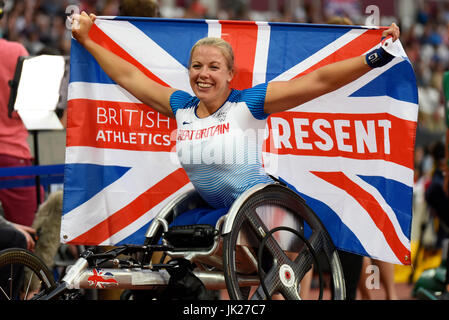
{"x":258,"y":294}
{"x":4,"y":293}
{"x":271,"y":281}
{"x":291,"y":293}
{"x":302,"y":264}
{"x":316,"y":241}
{"x":277,"y":252}
{"x":258,"y":226}
{"x":304,"y":260}
{"x":28,"y":286}
{"x":286,"y":256}
{"x":298,"y":266}
{"x":10,"y":281}
{"x":272,"y":245}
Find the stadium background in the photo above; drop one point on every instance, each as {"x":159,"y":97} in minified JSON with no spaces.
{"x":40,"y":25}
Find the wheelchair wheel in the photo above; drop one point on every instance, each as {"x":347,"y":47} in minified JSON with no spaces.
{"x":13,"y":265}
{"x":261,"y":221}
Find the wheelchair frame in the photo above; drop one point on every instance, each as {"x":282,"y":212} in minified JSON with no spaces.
{"x":108,"y":271}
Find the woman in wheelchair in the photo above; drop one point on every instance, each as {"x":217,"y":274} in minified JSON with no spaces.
{"x":217,"y":114}
{"x":218,"y":136}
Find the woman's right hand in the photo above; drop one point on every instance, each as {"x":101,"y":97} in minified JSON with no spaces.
{"x":81,"y":24}
{"x":121,"y":71}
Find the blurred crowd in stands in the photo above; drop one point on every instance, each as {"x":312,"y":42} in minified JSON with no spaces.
{"x":41,"y":26}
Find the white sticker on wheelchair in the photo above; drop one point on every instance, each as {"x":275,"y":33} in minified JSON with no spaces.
{"x":287,"y":275}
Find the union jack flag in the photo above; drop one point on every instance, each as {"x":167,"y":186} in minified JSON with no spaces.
{"x":349,"y":153}
{"x":100,"y":279}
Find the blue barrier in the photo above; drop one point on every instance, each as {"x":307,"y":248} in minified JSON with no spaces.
{"x":13,"y":177}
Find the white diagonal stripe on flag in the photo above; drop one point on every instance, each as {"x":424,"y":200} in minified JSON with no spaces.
{"x":261,"y":58}
{"x":100,"y":91}
{"x":380,"y":168}
{"x":147,"y":52}
{"x":379,"y":198}
{"x":320,"y":55}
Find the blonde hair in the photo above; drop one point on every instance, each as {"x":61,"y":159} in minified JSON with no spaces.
{"x":219,"y":43}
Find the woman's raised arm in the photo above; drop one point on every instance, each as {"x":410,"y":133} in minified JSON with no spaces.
{"x":121,"y":71}
{"x":284,"y":95}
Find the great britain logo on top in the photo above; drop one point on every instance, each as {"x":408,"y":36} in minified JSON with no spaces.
{"x":349,"y":153}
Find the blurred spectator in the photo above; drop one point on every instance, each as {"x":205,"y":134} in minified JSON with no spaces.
{"x":346,"y":8}
{"x":339,"y":20}
{"x":139,"y":8}
{"x":195,"y":10}
{"x":88,"y":5}
{"x":426,"y":44}
{"x":436,"y":197}
{"x":111,"y":8}
{"x":13,"y":236}
{"x":20,"y":203}
{"x":234,"y":10}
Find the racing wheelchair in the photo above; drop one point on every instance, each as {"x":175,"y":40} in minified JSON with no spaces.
{"x":265,"y":244}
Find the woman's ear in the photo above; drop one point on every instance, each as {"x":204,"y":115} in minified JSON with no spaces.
{"x":231,"y":75}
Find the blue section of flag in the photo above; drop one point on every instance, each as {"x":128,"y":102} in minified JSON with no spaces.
{"x":398,"y":82}
{"x":179,"y":49}
{"x":289,"y":46}
{"x":398,"y":196}
{"x":83,"y":181}
{"x":81,"y":60}
{"x":138,"y":237}
{"x":342,"y":236}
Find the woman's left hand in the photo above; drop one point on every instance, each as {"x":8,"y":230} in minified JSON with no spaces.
{"x":27,"y":232}
{"x":392,"y":31}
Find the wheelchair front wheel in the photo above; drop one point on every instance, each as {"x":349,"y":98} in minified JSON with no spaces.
{"x":286,"y":259}
{"x":14,"y":263}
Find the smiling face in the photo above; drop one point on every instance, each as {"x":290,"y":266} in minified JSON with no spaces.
{"x":210,"y":75}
